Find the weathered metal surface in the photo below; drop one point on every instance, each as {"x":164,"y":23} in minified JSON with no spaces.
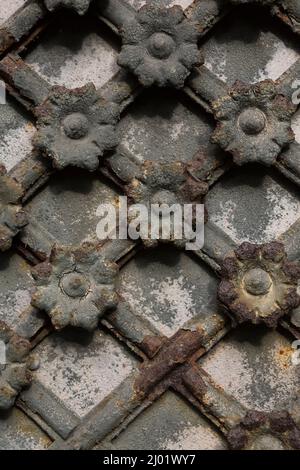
{"x":12,"y":217}
{"x":259,"y":283}
{"x":159,"y":46}
{"x":80,"y":6}
{"x":149,"y":372}
{"x":254,"y":122}
{"x":76,"y":286}
{"x":15,"y":373}
{"x":261,"y":431}
{"x":75,"y":127}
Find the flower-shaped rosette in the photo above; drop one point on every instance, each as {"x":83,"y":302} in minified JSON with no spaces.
{"x":76,"y":127}
{"x":265,"y":431}
{"x":259,"y":284}
{"x":80,"y":6}
{"x":75,"y":287}
{"x":160,"y":46}
{"x":165,"y":184}
{"x":15,"y":373}
{"x":253,"y":122}
{"x":12,"y":216}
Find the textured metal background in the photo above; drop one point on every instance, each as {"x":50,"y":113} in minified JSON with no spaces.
{"x":168,"y":369}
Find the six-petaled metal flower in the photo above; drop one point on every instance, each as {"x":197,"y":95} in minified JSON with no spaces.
{"x":253,"y":122}
{"x":80,"y":6}
{"x":12,"y":217}
{"x":76,"y":286}
{"x":76,"y":126}
{"x":159,"y":186}
{"x":259,"y":284}
{"x":160,"y":46}
{"x":15,"y":365}
{"x":265,"y":431}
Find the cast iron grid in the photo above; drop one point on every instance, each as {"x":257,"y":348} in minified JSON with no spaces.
{"x":177,"y":389}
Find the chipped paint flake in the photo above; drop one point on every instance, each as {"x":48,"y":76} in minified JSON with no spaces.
{"x":285,"y":211}
{"x":170,"y":296}
{"x":8,"y":8}
{"x":272,"y":210}
{"x":16,"y":145}
{"x":94,"y":62}
{"x":259,"y":370}
{"x":82,"y":375}
{"x":219,"y":68}
{"x":276,"y":66}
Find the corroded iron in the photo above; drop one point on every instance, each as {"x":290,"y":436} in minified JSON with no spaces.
{"x":160,"y":46}
{"x":165,"y":183}
{"x":76,"y":286}
{"x":15,"y":374}
{"x":12,"y":216}
{"x":254,"y":122}
{"x":80,"y":6}
{"x":259,"y":284}
{"x":265,"y":431}
{"x":75,"y":127}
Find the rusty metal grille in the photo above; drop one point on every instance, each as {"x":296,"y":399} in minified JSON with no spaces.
{"x":173,"y":365}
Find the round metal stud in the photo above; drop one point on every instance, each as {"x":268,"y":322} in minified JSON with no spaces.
{"x":161,"y":45}
{"x":252,"y":121}
{"x":76,"y":126}
{"x":257,"y":282}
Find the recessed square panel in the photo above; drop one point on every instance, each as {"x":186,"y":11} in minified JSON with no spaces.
{"x":75,"y":51}
{"x":253,"y":205}
{"x":250,"y":45}
{"x":9,"y":7}
{"x":164,"y":126}
{"x":81,"y":370}
{"x":169,"y":289}
{"x":255,"y":366}
{"x":170,"y":424}
{"x":67,"y":206}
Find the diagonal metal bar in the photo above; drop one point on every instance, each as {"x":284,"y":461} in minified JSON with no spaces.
{"x":21,"y":24}
{"x":206,"y":13}
{"x":22,"y":78}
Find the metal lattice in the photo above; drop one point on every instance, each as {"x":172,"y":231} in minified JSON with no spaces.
{"x":172,"y":358}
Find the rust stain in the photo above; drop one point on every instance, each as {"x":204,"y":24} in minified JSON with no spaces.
{"x":174,"y":353}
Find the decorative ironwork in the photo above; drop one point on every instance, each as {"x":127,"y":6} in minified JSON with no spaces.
{"x":259,"y":284}
{"x":76,"y":286}
{"x":75,"y":127}
{"x":254,"y":122}
{"x":76,"y":283}
{"x":160,"y":46}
